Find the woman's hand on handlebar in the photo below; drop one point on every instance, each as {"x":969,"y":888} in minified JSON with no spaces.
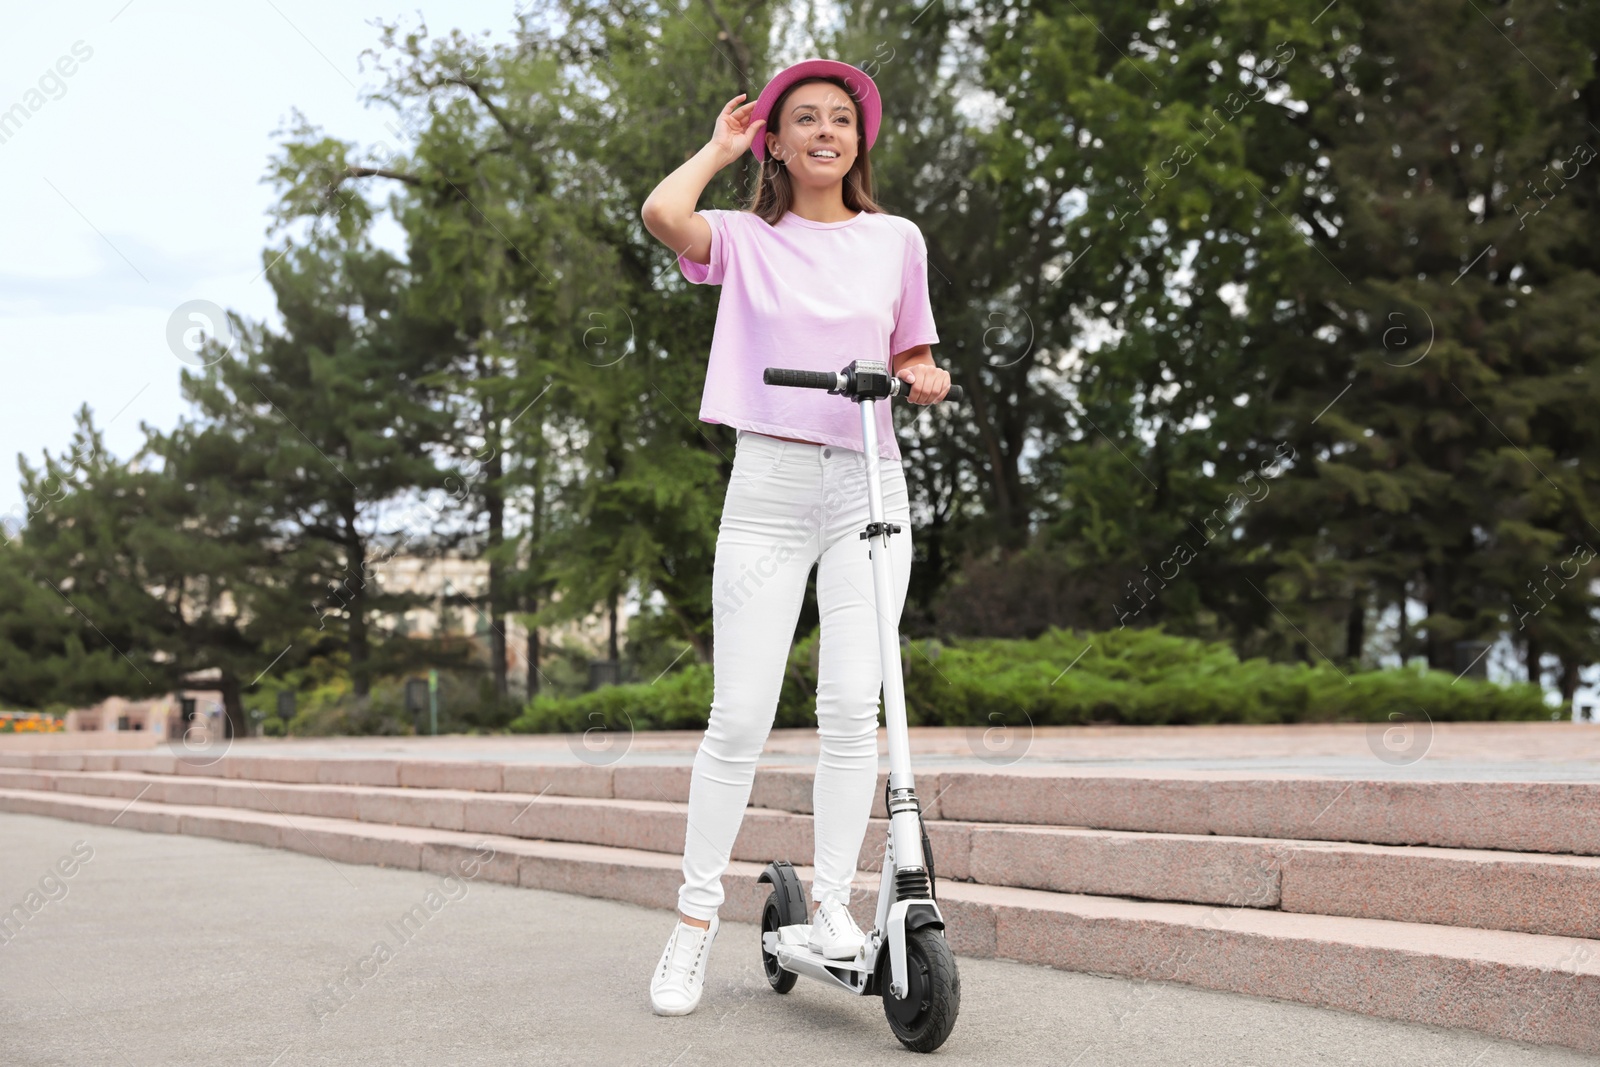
{"x":929,"y":384}
{"x":735,"y":131}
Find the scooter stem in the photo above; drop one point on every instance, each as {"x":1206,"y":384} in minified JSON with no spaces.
{"x":906,"y":826}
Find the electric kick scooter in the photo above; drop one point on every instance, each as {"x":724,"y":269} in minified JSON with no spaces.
{"x":906,"y":959}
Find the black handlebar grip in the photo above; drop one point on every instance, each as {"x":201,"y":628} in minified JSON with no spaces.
{"x":802,"y":379}
{"x":955,"y":392}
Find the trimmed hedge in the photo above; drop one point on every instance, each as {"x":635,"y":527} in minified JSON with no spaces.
{"x":1147,"y":677}
{"x":678,"y":701}
{"x":1140,"y":677}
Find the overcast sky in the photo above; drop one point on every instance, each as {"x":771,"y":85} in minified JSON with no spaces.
{"x":133,"y":184}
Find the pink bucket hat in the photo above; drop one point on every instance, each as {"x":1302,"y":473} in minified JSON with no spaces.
{"x":855,"y":79}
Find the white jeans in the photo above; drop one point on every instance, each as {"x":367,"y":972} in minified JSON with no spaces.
{"x":790,"y":506}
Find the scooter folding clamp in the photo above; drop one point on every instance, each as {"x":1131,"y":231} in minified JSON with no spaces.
{"x":875,"y":528}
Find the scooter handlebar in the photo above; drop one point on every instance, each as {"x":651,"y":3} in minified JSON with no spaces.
{"x":831,"y":380}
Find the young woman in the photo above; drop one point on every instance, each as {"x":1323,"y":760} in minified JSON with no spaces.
{"x":814,"y":275}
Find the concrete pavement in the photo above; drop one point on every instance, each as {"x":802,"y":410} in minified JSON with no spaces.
{"x":171,"y":949}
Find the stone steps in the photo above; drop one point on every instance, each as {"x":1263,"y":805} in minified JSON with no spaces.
{"x":1526,"y":892}
{"x":1494,"y":815}
{"x":1521,"y":986}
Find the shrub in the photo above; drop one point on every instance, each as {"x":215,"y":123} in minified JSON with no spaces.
{"x":678,"y":701}
{"x":1147,"y":677}
{"x":1138,"y":677}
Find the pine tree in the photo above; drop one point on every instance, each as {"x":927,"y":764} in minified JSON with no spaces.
{"x":329,"y":425}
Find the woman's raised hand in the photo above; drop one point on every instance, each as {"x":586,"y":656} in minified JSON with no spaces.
{"x":734,"y":130}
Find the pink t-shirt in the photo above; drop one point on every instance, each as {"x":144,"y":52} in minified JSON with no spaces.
{"x":812,"y":296}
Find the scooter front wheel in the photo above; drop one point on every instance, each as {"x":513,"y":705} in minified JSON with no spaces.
{"x":926,"y":1016}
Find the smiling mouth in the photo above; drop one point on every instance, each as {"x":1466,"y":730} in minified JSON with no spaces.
{"x":823,"y":159}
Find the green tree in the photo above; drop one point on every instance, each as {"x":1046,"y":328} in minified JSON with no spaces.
{"x":330,"y":424}
{"x":51,"y":651}
{"x":1450,"y":348}
{"x":146,"y":573}
{"x":1270,"y":212}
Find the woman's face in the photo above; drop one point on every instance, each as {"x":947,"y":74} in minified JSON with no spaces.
{"x":817,"y":118}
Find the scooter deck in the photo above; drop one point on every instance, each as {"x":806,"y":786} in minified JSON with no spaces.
{"x":790,"y":943}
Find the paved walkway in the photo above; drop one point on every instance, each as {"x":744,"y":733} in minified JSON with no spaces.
{"x":174,"y":950}
{"x":1449,"y":750}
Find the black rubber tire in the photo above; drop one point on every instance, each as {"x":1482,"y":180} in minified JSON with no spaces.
{"x":925,"y":1018}
{"x":771,"y":918}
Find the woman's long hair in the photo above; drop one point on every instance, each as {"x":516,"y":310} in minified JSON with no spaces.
{"x":774,"y":190}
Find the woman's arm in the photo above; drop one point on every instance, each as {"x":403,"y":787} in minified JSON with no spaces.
{"x":919,"y":354}
{"x":668,"y":212}
{"x":914,"y":331}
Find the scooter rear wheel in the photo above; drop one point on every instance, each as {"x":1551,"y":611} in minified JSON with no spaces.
{"x":772,"y":917}
{"x":926,"y":1016}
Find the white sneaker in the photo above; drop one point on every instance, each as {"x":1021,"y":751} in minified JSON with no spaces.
{"x":681,"y":974}
{"x":834,"y":932}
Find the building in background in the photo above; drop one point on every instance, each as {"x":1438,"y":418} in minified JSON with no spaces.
{"x":191,"y":712}
{"x":459,"y":592}
{"x":457,"y":589}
